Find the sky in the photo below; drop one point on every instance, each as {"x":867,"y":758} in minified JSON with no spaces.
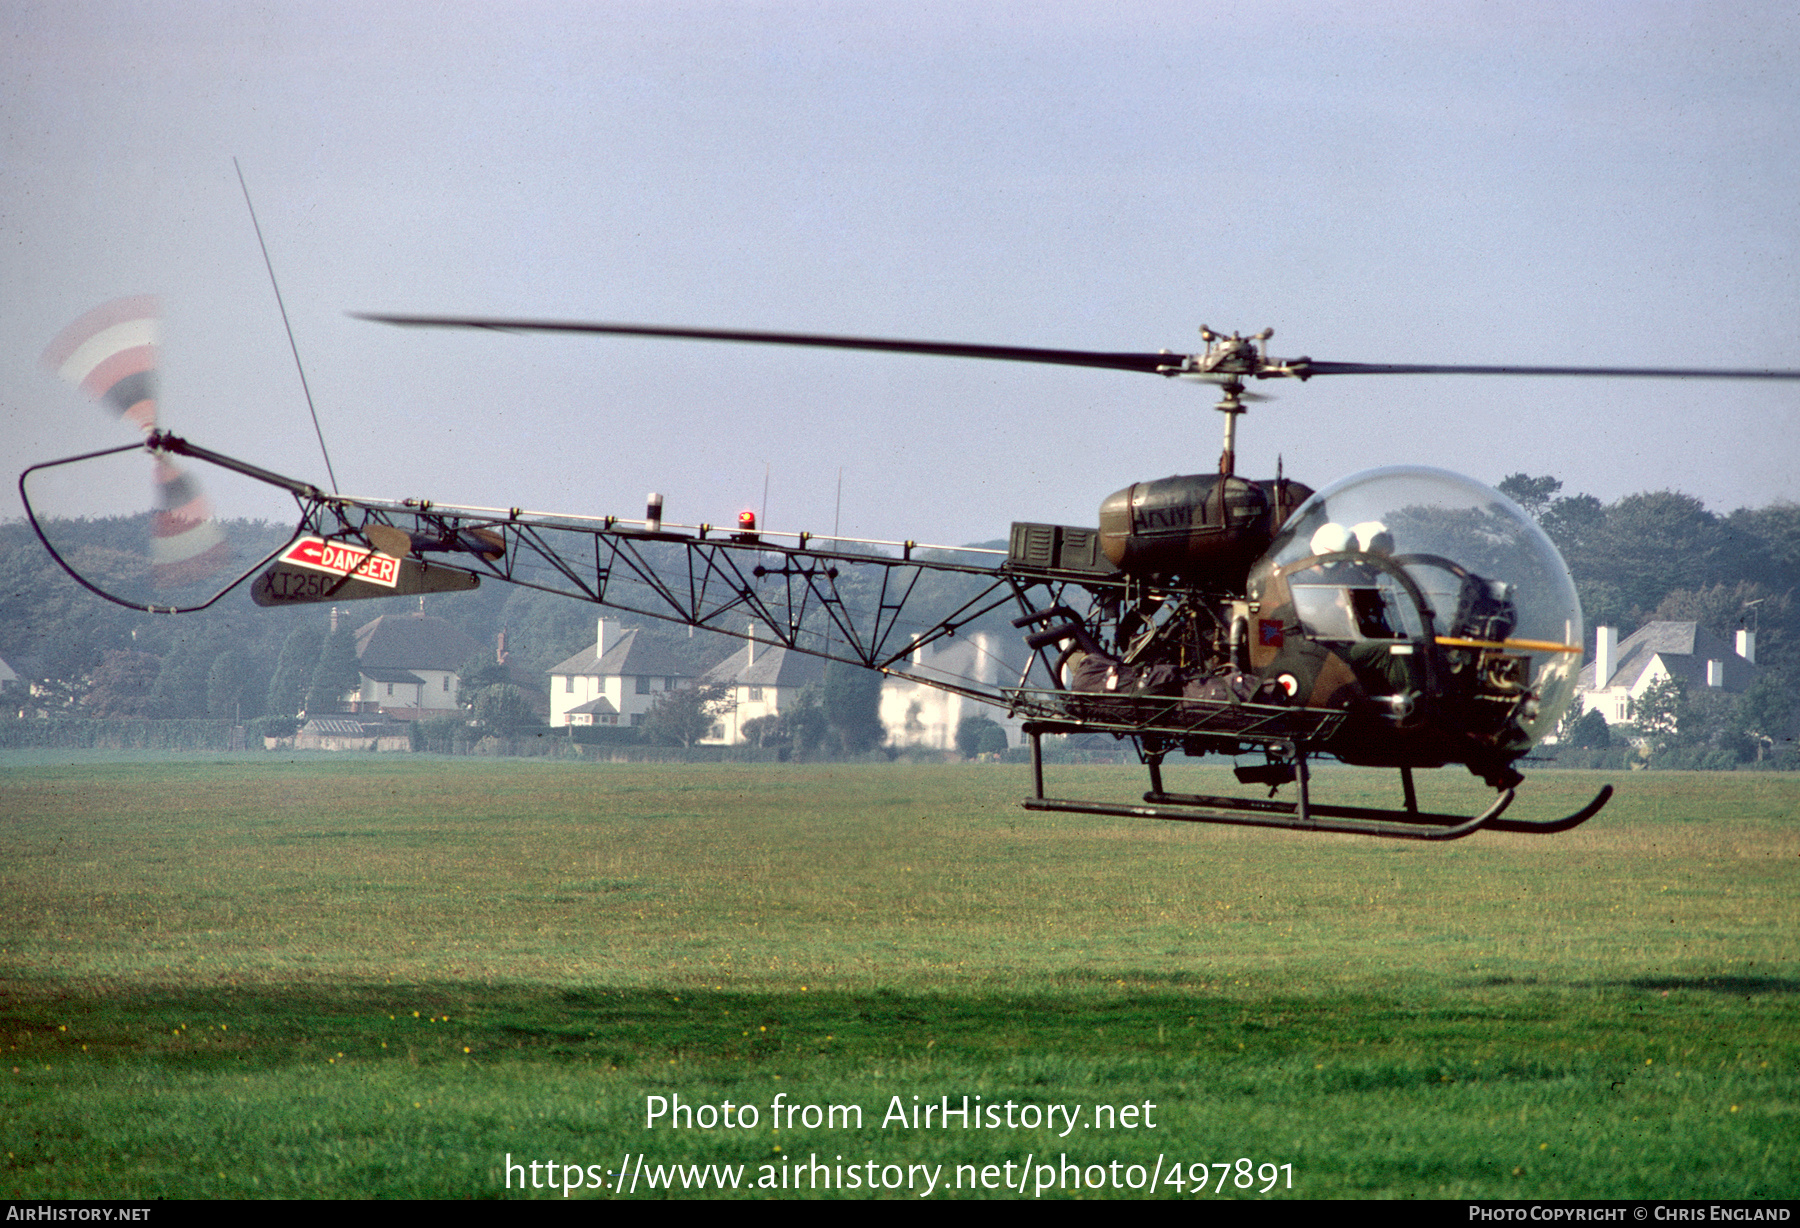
{"x":1463,"y":182}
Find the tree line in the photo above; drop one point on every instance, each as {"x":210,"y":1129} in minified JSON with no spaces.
{"x":1662,"y":556}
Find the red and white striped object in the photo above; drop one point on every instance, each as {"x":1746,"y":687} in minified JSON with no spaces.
{"x":110,"y":354}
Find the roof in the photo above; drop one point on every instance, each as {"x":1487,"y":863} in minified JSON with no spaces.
{"x":772,"y":667}
{"x":412,"y":641}
{"x":519,"y":676}
{"x":1685,"y":648}
{"x":597,"y":707}
{"x":344,"y":727}
{"x":377,"y":674}
{"x":633,"y":654}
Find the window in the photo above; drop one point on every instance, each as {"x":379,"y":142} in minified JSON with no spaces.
{"x":446,"y":684}
{"x":569,"y":684}
{"x":390,"y":688}
{"x":643,"y":684}
{"x":637,"y":718}
{"x":668,"y":684}
{"x":755,"y":694}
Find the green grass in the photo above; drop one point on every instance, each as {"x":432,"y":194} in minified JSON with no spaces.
{"x":353,"y":975}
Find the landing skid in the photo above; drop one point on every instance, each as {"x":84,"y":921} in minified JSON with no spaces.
{"x":1304,"y":814}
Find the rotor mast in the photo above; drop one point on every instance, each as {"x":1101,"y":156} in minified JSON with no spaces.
{"x":1231,"y":404}
{"x":1226,"y":361}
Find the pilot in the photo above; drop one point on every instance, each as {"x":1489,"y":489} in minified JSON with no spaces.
{"x":1361,"y":611}
{"x":1368,"y":605}
{"x":1358,"y":621}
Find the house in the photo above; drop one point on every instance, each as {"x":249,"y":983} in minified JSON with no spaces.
{"x":761,"y":681}
{"x":615,"y":681}
{"x":1622,"y":671}
{"x":408,"y":665}
{"x":341,"y":732}
{"x":16,"y":691}
{"x":922,"y":716}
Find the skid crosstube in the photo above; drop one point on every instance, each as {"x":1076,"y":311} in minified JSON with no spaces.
{"x":1304,"y":814}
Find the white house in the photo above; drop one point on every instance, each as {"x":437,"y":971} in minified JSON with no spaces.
{"x":1622,"y":671}
{"x":408,"y":665}
{"x":613,"y":682}
{"x":762,"y":680}
{"x":917,"y":715}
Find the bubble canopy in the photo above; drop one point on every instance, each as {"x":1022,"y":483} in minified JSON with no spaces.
{"x":1445,"y":531}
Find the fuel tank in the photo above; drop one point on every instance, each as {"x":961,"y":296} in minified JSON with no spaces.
{"x":1205,"y":528}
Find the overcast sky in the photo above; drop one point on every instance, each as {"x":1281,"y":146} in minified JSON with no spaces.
{"x":1457,"y":182}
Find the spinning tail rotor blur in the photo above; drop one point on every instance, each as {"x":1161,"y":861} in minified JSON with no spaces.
{"x":110,"y":354}
{"x":181,"y":556}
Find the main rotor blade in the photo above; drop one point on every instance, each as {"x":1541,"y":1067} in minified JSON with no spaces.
{"x":1162,"y":362}
{"x":1148,"y":363}
{"x":1315,"y":367}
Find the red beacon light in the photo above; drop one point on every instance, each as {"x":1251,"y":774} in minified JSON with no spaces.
{"x":747,"y":528}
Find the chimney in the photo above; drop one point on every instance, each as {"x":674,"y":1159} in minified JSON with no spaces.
{"x":1715,"y":673}
{"x":1746,"y":644}
{"x":1606,"y":655}
{"x":601,"y":636}
{"x":750,"y":649}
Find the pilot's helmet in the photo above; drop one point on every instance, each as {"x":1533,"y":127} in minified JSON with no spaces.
{"x":1373,"y":537}
{"x":1333,"y":538}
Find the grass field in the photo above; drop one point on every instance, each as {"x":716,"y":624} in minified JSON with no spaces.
{"x":359,"y":976}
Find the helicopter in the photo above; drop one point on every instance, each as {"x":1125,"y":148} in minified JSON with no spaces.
{"x":1402,"y":618}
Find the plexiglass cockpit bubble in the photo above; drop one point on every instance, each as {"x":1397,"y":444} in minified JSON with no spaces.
{"x":1480,"y":570}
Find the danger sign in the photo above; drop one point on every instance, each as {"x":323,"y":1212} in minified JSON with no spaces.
{"x":343,"y":559}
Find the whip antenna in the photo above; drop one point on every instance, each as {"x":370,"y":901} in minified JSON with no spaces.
{"x":268,"y":264}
